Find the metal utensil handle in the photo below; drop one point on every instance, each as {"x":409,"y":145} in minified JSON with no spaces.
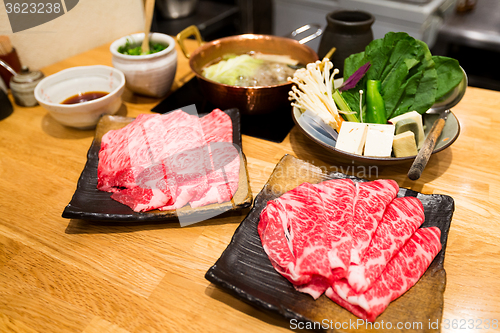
{"x":305,"y":28}
{"x":7,"y":67}
{"x":425,"y":152}
{"x":192,"y":30}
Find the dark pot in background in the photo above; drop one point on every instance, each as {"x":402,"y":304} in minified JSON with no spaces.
{"x":349,"y":31}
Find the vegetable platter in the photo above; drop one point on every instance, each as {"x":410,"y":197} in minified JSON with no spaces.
{"x":378,"y":113}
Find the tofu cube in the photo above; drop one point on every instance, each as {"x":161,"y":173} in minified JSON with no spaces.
{"x":352,"y":137}
{"x":379,"y":140}
{"x":404,"y":144}
{"x":410,"y":121}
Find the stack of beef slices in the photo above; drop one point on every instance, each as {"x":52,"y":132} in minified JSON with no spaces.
{"x":355,"y":242}
{"x":168,"y":161}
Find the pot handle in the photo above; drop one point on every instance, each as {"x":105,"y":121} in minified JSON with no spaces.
{"x":305,"y":28}
{"x":189,"y":31}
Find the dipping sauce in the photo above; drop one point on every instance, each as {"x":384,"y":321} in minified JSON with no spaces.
{"x":84,"y":97}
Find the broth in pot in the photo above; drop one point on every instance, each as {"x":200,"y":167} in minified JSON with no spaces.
{"x":253,"y":69}
{"x":248,"y":100}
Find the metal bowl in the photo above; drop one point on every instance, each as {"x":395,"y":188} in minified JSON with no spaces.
{"x":450,"y":133}
{"x":249,"y":100}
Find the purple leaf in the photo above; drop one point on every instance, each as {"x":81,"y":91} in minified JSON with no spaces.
{"x":353,"y":80}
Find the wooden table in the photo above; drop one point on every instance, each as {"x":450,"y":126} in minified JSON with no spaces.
{"x":59,"y":275}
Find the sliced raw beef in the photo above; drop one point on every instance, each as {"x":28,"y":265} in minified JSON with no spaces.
{"x":272,"y":230}
{"x":163,"y":161}
{"x":152,"y":189}
{"x":115,"y":170}
{"x":338,"y":198}
{"x":296,"y":221}
{"x":371,"y":200}
{"x":402,"y":217}
{"x":400,"y":274}
{"x":315,"y":287}
{"x":309,"y":232}
{"x":224,"y":175}
{"x":217,"y":127}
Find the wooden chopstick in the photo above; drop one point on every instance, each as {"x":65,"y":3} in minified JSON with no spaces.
{"x":5,"y":45}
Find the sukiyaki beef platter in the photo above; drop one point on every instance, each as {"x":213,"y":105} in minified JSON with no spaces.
{"x":179,"y":165}
{"x":325,"y":249}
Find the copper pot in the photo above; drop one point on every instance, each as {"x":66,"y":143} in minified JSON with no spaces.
{"x":249,"y":100}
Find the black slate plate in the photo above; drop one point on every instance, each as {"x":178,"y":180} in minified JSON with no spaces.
{"x":88,"y":203}
{"x":245,"y":270}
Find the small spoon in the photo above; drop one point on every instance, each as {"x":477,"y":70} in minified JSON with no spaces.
{"x":148,"y":18}
{"x":7,"y":67}
{"x":441,"y":107}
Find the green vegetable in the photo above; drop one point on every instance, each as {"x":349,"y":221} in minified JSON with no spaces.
{"x":348,"y":114}
{"x":411,"y":78}
{"x":375,"y":105}
{"x":228,"y":71}
{"x":351,"y":96}
{"x":131,"y":49}
{"x":450,"y":74}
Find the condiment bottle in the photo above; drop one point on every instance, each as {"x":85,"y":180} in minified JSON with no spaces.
{"x":23,"y":85}
{"x":9,"y":55}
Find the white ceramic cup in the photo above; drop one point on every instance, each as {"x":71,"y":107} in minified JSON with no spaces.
{"x":150,"y":74}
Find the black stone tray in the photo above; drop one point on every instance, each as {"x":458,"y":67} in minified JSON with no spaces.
{"x":245,"y":271}
{"x":89,"y":203}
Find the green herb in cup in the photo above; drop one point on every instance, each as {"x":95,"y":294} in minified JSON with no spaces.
{"x":131,"y":49}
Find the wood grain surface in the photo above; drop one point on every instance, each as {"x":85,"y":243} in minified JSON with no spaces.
{"x":59,"y":275}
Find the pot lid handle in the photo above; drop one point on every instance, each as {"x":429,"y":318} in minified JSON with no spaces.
{"x":304,"y":29}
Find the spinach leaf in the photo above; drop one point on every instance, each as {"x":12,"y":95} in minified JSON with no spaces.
{"x":408,"y":96}
{"x":403,"y":50}
{"x":449,"y":73}
{"x":351,"y":96}
{"x":352,"y":64}
{"x":427,"y":87}
{"x":378,"y":56}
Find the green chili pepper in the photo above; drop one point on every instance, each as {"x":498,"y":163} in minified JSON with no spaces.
{"x":375,"y":106}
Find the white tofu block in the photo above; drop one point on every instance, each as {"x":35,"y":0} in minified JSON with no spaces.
{"x":352,"y":137}
{"x":379,"y":140}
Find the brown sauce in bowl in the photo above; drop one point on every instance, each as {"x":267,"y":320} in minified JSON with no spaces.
{"x":84,"y":97}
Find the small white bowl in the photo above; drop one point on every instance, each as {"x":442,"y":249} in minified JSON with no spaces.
{"x":150,"y":74}
{"x":56,"y":88}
